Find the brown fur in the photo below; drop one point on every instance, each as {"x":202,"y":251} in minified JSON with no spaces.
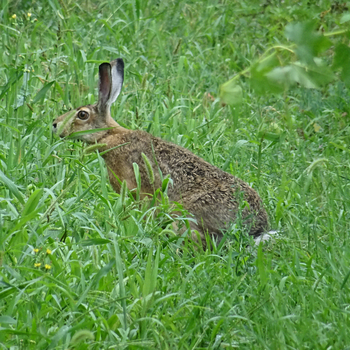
{"x":214,"y":197}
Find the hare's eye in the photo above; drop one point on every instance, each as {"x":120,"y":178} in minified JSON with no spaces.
{"x":83,"y":115}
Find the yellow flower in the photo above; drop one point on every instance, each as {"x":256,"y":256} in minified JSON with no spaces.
{"x":48,"y":251}
{"x":37,"y":264}
{"x":47,"y":267}
{"x":317,"y":128}
{"x":29,"y":14}
{"x":36,"y":250}
{"x":14,"y":16}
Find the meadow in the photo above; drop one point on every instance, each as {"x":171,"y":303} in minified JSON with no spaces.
{"x":83,"y":267}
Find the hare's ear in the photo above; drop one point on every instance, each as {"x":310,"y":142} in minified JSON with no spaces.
{"x":105,"y":86}
{"x":111,"y":82}
{"x":117,"y":69}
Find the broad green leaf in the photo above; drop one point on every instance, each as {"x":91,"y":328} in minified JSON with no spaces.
{"x":310,"y":77}
{"x":261,"y":265}
{"x":10,"y":127}
{"x":94,"y":241}
{"x":151,"y":273}
{"x":41,"y":94}
{"x":60,"y":91}
{"x":24,"y":220}
{"x":319,"y":74}
{"x":270,"y":136}
{"x":290,"y":75}
{"x":8,"y":291}
{"x":258,"y":77}
{"x":138,"y":180}
{"x":342,"y":61}
{"x":309,"y":42}
{"x":345,"y":18}
{"x":166,"y":182}
{"x":11,"y":186}
{"x":32,"y":202}
{"x":7,"y":320}
{"x":231,"y":93}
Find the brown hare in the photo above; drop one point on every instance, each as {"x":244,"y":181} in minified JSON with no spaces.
{"x":211,"y":195}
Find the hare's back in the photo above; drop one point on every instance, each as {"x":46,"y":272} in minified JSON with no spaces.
{"x":196,"y":178}
{"x":207,"y":191}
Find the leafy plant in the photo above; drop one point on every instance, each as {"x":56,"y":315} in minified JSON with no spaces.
{"x":304,"y":63}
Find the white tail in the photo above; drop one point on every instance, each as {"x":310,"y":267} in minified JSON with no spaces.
{"x":265,"y":237}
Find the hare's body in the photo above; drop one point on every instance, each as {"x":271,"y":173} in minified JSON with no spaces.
{"x":214,"y":197}
{"x":210,"y":194}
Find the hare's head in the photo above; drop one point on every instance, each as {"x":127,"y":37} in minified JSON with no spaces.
{"x":97,"y":117}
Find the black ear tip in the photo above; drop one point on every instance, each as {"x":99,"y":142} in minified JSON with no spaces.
{"x":120,"y":64}
{"x":104,"y":65}
{"x":120,"y":61}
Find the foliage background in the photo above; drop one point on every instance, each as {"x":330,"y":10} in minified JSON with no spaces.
{"x":122,"y":279}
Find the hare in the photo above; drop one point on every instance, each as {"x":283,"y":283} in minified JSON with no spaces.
{"x":212,"y":196}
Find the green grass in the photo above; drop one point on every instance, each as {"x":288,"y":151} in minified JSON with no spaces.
{"x":122,"y":279}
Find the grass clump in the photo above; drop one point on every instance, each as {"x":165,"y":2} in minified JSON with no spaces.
{"x":122,"y":279}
